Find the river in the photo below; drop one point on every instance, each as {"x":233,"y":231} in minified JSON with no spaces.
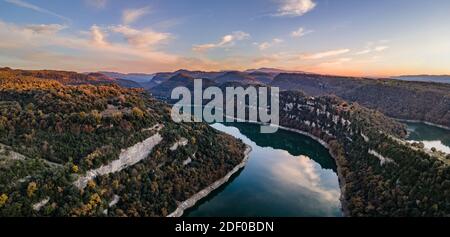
{"x":288,"y":174}
{"x":430,"y":136}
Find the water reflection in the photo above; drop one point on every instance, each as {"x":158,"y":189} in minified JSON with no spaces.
{"x":279,"y":180}
{"x":290,"y":142}
{"x":304,"y":173}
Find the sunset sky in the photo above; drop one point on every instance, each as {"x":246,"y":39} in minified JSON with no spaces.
{"x":345,"y":37}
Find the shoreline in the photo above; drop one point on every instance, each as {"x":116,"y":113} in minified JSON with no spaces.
{"x":189,"y":203}
{"x":423,"y":122}
{"x":341,"y":178}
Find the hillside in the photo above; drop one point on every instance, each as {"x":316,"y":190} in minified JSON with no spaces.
{"x":100,"y":78}
{"x":263,"y":77}
{"x":99,"y":150}
{"x":164,"y":76}
{"x":236,"y":76}
{"x":136,"y":77}
{"x":200,"y":74}
{"x":164,"y":90}
{"x":398,"y":99}
{"x":70,"y":78}
{"x":380,"y":174}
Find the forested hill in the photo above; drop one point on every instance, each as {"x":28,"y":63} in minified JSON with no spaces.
{"x":422,"y":101}
{"x":99,"y":150}
{"x":380,"y":174}
{"x":70,"y":78}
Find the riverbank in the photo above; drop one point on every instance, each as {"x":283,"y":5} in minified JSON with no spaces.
{"x":424,"y":122}
{"x":342,"y":181}
{"x":208,"y":190}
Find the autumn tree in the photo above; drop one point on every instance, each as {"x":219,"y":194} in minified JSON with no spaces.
{"x":3,"y":199}
{"x":31,"y":189}
{"x":137,"y":112}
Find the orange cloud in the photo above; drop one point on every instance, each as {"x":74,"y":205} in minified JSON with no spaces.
{"x":227,"y":41}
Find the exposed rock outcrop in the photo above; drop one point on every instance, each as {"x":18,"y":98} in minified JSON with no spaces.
{"x":182,"y":142}
{"x":127,"y":158}
{"x":383,"y":160}
{"x":38,"y":206}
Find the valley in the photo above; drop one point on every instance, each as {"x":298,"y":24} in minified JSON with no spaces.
{"x":126,"y":157}
{"x":287,"y":175}
{"x":408,"y":100}
{"x":224,"y":117}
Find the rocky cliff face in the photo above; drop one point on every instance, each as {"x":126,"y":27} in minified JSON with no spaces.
{"x":428,"y":102}
{"x":380,"y":175}
{"x":127,"y":158}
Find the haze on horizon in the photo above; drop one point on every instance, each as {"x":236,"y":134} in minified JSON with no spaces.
{"x":346,"y":37}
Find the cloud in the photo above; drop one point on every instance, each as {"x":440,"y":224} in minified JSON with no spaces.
{"x":46,"y":29}
{"x":381,"y":48}
{"x":373,"y":48}
{"x":235,"y":36}
{"x":295,"y":7}
{"x":227,"y":41}
{"x":131,"y":15}
{"x":267,"y":45}
{"x":264,"y":46}
{"x":325,"y":54}
{"x":300,"y":32}
{"x":30,"y":6}
{"x":98,"y":36}
{"x":203,"y":47}
{"x":305,"y":174}
{"x":98,"y":48}
{"x":141,"y":38}
{"x":97,"y":3}
{"x":365,"y":51}
{"x":23,"y":47}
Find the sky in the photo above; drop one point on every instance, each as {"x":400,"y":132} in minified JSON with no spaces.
{"x":341,"y":37}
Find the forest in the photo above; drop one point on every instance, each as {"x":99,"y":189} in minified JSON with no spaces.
{"x":422,"y":101}
{"x":399,"y":181}
{"x":52,"y":133}
{"x":54,"y":130}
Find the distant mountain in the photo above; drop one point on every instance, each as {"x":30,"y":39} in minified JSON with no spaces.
{"x":164,"y":76}
{"x":263,"y":77}
{"x":425,"y":78}
{"x":164,"y":89}
{"x":127,"y":83}
{"x":91,"y":78}
{"x":136,"y":77}
{"x":103,"y":78}
{"x":200,"y":74}
{"x":257,"y":76}
{"x":236,"y":76}
{"x":157,"y":79}
{"x":272,"y":71}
